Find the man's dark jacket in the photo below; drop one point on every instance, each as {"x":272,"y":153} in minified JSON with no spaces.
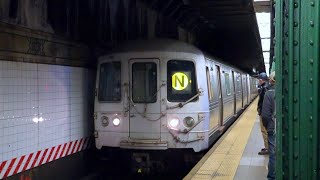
{"x":268,"y":109}
{"x":262,"y":91}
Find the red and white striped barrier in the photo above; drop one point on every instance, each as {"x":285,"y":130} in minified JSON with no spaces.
{"x":26,"y":162}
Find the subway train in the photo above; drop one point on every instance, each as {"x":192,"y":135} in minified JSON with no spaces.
{"x":166,"y":95}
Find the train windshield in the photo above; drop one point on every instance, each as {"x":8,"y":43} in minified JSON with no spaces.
{"x":110,"y":82}
{"x":181,"y":81}
{"x":144,"y":82}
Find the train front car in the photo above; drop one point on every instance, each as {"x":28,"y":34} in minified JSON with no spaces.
{"x":151,"y":96}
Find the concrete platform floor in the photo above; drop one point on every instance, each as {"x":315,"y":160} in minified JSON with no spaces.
{"x":235,"y":155}
{"x":253,"y":166}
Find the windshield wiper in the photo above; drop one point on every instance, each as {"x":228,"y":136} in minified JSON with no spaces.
{"x":180,"y":105}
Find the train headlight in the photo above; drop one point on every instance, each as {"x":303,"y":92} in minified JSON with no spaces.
{"x":116,"y":121}
{"x":104,"y":121}
{"x":173,"y":123}
{"x":188,"y":121}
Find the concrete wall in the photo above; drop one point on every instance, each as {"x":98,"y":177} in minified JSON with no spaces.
{"x":46,"y":98}
{"x":46,"y":84}
{"x":42,"y":107}
{"x":102,"y":24}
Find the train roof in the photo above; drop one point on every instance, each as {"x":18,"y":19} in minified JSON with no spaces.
{"x":164,"y":45}
{"x":167,"y":45}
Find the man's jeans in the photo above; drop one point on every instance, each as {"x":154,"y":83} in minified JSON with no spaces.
{"x":272,"y":155}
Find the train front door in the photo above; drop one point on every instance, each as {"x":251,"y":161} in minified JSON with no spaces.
{"x":144,"y":111}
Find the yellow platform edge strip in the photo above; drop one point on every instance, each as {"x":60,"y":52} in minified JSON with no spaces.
{"x":222,"y":160}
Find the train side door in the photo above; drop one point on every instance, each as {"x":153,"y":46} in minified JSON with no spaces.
{"x":234,"y":93}
{"x":144,"y":111}
{"x":242,"y":91}
{"x":219,"y":95}
{"x":248,"y":89}
{"x":245,"y":90}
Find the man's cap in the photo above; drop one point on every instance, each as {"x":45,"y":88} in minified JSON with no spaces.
{"x":263,"y":76}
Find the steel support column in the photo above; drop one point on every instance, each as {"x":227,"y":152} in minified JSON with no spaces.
{"x":297,"y":91}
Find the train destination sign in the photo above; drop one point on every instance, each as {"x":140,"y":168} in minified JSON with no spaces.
{"x":180,"y":81}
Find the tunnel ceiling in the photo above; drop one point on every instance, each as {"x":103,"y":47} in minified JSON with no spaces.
{"x":224,"y":28}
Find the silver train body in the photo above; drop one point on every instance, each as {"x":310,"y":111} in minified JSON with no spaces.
{"x":166,"y":94}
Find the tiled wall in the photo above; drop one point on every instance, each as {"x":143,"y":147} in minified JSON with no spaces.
{"x":42,"y":106}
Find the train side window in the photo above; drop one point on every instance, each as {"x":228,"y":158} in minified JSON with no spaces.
{"x":110,"y":82}
{"x":144,"y":82}
{"x":209,"y":83}
{"x":227,"y":82}
{"x":181,"y":79}
{"x":238,"y":83}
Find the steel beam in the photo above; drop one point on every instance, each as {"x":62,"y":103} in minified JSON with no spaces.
{"x":262,"y":6}
{"x":297,"y":89}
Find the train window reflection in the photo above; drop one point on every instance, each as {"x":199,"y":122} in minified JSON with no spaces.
{"x":181,"y":80}
{"x":227,"y":82}
{"x":210,"y":94}
{"x":238,"y":83}
{"x":110,"y":82}
{"x":144,"y":82}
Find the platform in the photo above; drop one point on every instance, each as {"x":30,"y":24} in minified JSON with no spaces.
{"x":235,"y":155}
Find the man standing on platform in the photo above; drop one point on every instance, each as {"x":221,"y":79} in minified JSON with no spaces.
{"x":268,"y":117}
{"x":263,"y":83}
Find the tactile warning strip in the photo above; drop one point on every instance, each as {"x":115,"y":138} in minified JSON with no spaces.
{"x":222,"y":163}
